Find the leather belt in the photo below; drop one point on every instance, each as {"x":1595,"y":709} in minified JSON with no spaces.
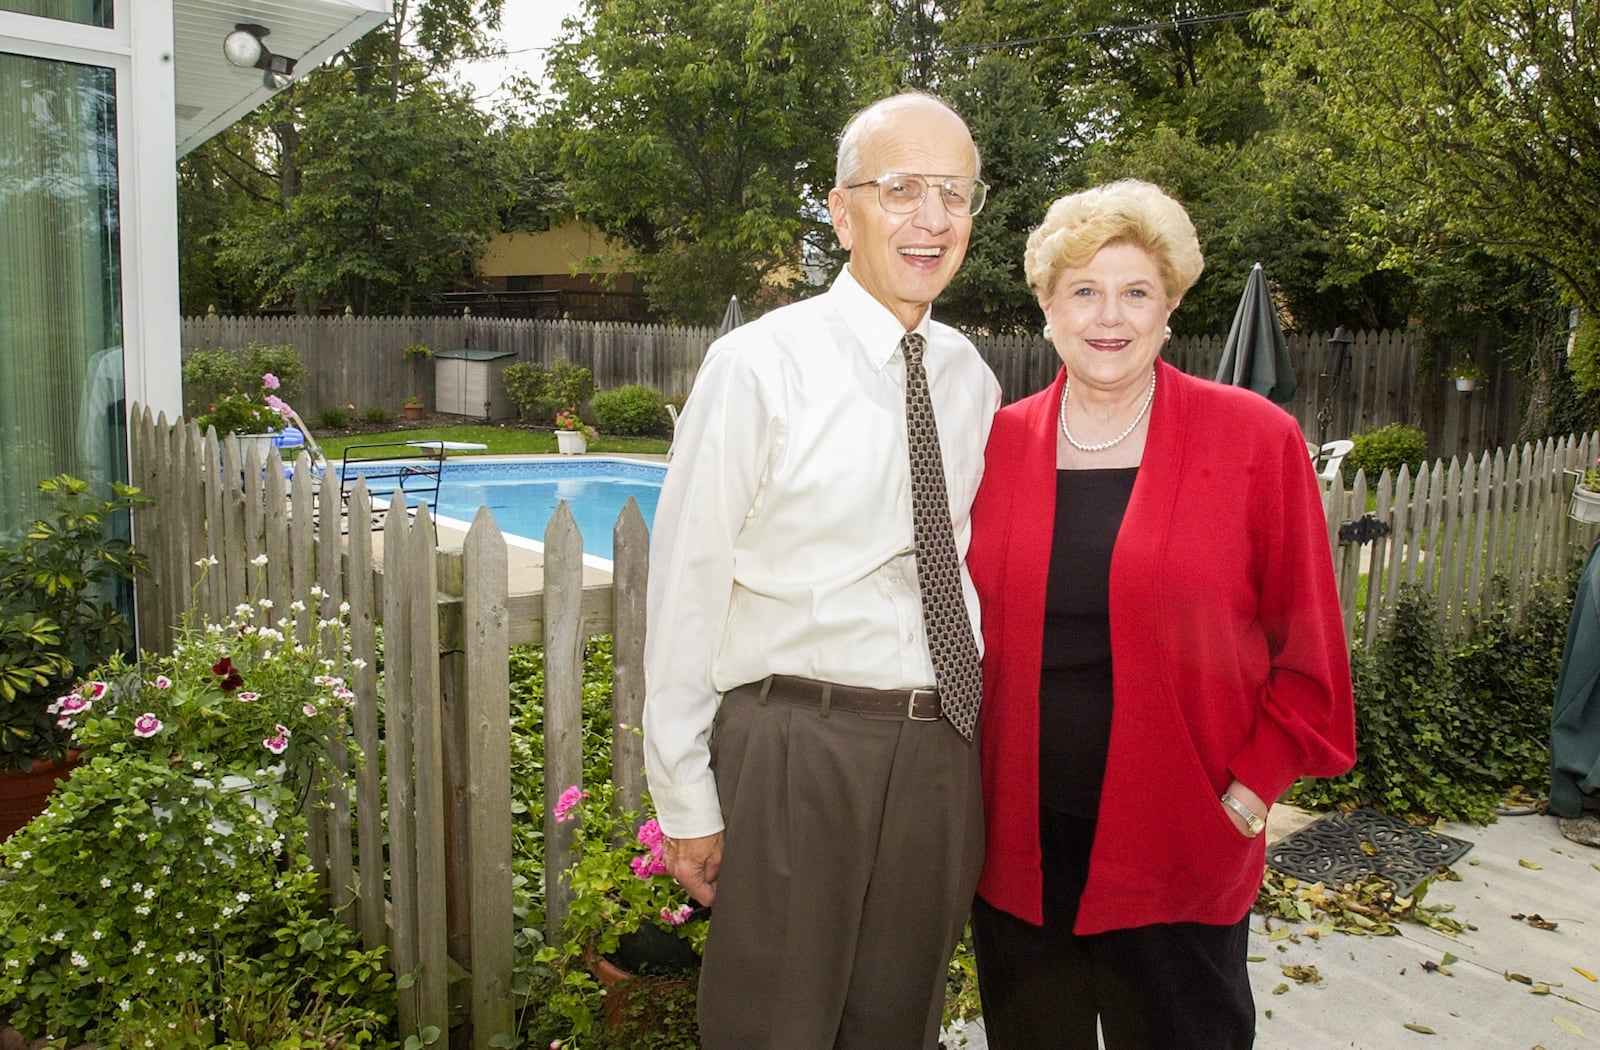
{"x":919,"y":705}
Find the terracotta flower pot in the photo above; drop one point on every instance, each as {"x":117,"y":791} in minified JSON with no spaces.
{"x":413,"y":411}
{"x":631,"y":998}
{"x":24,"y":792}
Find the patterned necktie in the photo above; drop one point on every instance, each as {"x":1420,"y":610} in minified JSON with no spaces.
{"x":944,"y":610}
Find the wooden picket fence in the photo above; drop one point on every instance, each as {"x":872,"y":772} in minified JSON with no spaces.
{"x":414,"y":839}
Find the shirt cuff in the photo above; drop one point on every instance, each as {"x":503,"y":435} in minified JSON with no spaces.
{"x":688,"y":811}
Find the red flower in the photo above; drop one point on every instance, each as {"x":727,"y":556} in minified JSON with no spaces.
{"x":231,"y":678}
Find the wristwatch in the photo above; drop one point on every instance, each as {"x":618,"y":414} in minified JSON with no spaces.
{"x":1253,"y":824}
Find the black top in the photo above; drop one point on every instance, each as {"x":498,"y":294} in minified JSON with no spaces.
{"x":1075,"y":671}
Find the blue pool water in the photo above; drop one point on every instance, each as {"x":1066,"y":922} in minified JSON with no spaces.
{"x":523,"y":494}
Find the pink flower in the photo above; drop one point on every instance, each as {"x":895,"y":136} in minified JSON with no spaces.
{"x":162,"y":682}
{"x":71,"y":704}
{"x":66,"y":722}
{"x":247,"y":696}
{"x":644,"y":867}
{"x":278,"y":743}
{"x":679,"y":915}
{"x":146,"y":725}
{"x":651,"y":837}
{"x":269,"y":381}
{"x":278,"y":405}
{"x":568,"y":801}
{"x":309,"y":710}
{"x":93,"y":690}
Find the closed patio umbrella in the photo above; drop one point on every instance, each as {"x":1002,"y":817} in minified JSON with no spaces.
{"x":732,"y":317}
{"x":1254,"y":355}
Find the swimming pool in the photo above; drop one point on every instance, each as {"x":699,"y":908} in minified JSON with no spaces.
{"x":522,"y":494}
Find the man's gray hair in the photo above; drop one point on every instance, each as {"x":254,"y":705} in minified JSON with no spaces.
{"x":847,"y":169}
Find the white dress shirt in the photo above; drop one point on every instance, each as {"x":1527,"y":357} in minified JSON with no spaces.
{"x":782,"y":540}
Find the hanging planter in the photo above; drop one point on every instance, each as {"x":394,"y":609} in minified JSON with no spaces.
{"x":1585,"y":506}
{"x":1467,"y":375}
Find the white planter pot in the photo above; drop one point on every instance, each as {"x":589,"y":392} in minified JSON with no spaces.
{"x":1466,"y":385}
{"x":1585,"y":506}
{"x":572,"y":442}
{"x":262,"y":443}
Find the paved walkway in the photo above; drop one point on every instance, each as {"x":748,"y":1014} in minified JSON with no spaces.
{"x":1371,"y":988}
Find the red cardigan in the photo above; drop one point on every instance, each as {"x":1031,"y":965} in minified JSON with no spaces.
{"x":1227,"y":647}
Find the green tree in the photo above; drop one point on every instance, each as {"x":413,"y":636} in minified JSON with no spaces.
{"x":1469,"y":149}
{"x":701,"y":135}
{"x":366,"y":184}
{"x":1002,"y":106}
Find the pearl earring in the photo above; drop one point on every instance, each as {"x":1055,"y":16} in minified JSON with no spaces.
{"x":1047,"y":331}
{"x":1169,"y":333}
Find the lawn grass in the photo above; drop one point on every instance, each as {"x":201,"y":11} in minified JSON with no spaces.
{"x":501,"y":441}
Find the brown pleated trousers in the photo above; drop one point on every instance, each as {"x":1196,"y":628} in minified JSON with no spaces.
{"x":852,"y":851}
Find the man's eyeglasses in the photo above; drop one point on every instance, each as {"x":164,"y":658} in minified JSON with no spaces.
{"x":901,"y":194}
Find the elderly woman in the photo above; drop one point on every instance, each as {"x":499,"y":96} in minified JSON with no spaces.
{"x":1164,"y":655}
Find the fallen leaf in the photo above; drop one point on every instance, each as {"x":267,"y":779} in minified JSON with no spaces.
{"x":1263,"y":958}
{"x":1424,"y":1029}
{"x":1519,"y":978}
{"x":1581,"y":972}
{"x":1302,"y":974}
{"x":1529,"y":864}
{"x":1280,"y":989}
{"x":1539,"y":922}
{"x":1562,"y":1022}
{"x":1448,"y":959}
{"x":1539,"y":989}
{"x":1268,"y":1014}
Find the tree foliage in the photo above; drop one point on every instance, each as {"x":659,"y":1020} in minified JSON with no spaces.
{"x":701,"y":135}
{"x":366,"y":184}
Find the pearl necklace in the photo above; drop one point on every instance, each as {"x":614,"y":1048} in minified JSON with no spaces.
{"x":1066,"y":390}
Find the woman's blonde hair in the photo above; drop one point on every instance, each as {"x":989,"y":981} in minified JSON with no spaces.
{"x":1128,"y":211}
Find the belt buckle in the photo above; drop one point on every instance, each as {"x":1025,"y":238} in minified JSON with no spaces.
{"x":911,"y":706}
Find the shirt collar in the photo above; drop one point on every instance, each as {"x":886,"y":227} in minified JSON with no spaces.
{"x":877,"y":329}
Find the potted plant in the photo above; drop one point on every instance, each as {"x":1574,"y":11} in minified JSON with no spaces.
{"x":168,"y":882}
{"x":253,"y":417}
{"x":1467,"y":374}
{"x":413,"y":407}
{"x":633,"y":937}
{"x":58,"y":615}
{"x":1585,"y":505}
{"x":573,"y":434}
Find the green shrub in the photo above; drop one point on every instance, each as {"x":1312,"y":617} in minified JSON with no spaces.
{"x":1387,"y":448}
{"x":629,"y":410}
{"x":1447,"y":730}
{"x":375,"y":414}
{"x":210,"y":375}
{"x":58,"y":611}
{"x":539,"y":392}
{"x":331,"y":419}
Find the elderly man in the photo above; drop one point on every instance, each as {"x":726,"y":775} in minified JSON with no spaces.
{"x":812,"y":661}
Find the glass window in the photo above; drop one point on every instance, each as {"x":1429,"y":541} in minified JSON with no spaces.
{"x":89,"y":12}
{"x":61,"y":377}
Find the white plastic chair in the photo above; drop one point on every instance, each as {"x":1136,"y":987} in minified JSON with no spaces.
{"x":1332,"y":456}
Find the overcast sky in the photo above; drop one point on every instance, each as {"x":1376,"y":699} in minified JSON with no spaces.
{"x":526,"y":28}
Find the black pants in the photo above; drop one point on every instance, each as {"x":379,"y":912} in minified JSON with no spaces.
{"x":1178,"y":986}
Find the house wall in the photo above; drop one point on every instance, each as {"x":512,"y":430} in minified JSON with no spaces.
{"x":566,"y":257}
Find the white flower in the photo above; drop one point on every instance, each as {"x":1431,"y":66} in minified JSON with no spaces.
{"x":242,"y":897}
{"x":77,"y":959}
{"x":105,"y":883}
{"x":259,"y":559}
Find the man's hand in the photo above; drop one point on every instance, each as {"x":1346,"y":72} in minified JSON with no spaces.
{"x":694,"y":863}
